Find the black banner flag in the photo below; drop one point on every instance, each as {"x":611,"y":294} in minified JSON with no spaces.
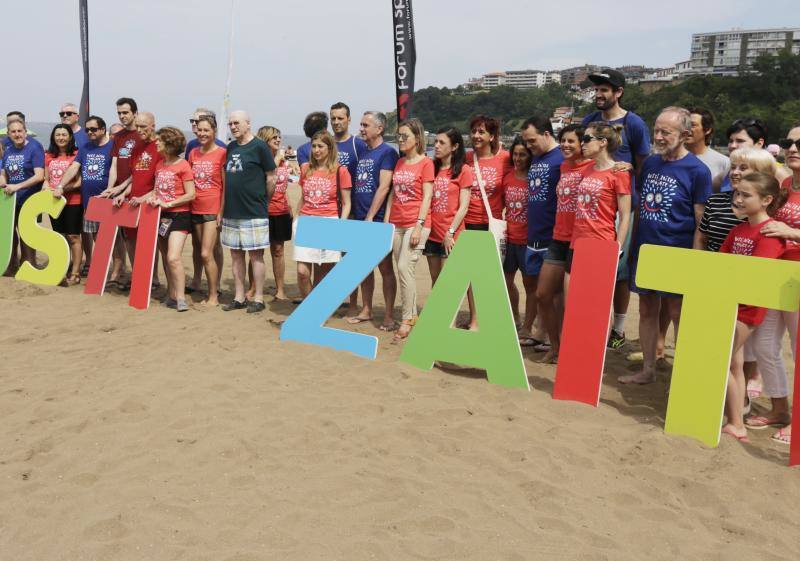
{"x":405,"y":56}
{"x":83,"y":20}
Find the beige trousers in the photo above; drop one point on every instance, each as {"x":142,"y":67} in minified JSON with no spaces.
{"x":405,"y":261}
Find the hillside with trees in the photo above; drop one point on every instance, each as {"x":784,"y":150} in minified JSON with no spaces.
{"x":770,"y":91}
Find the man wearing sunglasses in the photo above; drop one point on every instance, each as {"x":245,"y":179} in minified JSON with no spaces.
{"x":194,"y":143}
{"x":69,"y":116}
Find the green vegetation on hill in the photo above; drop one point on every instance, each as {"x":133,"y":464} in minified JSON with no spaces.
{"x":771,"y":91}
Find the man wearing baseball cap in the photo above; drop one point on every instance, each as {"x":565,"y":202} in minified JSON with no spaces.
{"x":609,"y":86}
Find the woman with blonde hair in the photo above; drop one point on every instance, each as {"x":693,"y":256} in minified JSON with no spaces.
{"x":408,"y":209}
{"x":323,"y":183}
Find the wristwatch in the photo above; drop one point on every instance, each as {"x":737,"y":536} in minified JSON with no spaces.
{"x":420,"y":221}
{"x":451,"y":231}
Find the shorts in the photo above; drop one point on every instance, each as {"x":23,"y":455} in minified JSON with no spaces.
{"x":623,"y":271}
{"x":521,"y":257}
{"x":70,"y":221}
{"x":181,"y":222}
{"x":203,"y":218}
{"x":481,"y":227}
{"x":557,"y":252}
{"x":632,"y":277}
{"x":90,"y":226}
{"x":434,"y":249}
{"x":315,"y":255}
{"x":568,"y":261}
{"x":245,"y":234}
{"x":280,"y":228}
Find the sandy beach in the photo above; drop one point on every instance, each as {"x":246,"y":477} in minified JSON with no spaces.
{"x":131,"y":435}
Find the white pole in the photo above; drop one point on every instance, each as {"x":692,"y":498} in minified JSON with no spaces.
{"x":222,"y":130}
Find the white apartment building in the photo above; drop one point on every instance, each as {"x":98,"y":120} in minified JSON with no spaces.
{"x":521,"y":79}
{"x":726,"y":52}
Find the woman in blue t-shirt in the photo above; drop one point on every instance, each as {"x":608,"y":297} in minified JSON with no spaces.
{"x":22,"y":173}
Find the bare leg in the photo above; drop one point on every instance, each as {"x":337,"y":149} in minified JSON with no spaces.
{"x":118,"y":256}
{"x":734,"y":401}
{"x":176,"y":274}
{"x":649,"y":306}
{"x":278,"y":269}
{"x":435,"y":265}
{"x":208,"y":240}
{"x":513,"y":296}
{"x":197,"y":257}
{"x":530,"y":283}
{"x":258,"y":268}
{"x":87,"y":242}
{"x":304,"y":278}
{"x":551,"y":280}
{"x":219,"y":257}
{"x":237,"y":264}
{"x":367,"y":290}
{"x":75,"y":250}
{"x":386,"y":268}
{"x":251,"y":287}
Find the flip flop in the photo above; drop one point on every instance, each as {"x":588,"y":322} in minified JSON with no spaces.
{"x":754,"y":389}
{"x":353,"y":320}
{"x":729,"y":432}
{"x":782,"y":437}
{"x":759,"y":422}
{"x":389,"y":328}
{"x":530,"y":342}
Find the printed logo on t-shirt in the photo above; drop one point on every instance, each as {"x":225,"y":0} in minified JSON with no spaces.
{"x":127,"y":149}
{"x":234,"y":164}
{"x":94,"y":168}
{"x":318,"y":191}
{"x":567,"y":189}
{"x":203,"y":172}
{"x":281,"y":179}
{"x":658,"y":192}
{"x":56,"y":172}
{"x":790,"y":214}
{"x":143,"y":162}
{"x":743,"y":246}
{"x":489,"y":175}
{"x":538,"y":182}
{"x":365,"y":176}
{"x":344,"y":158}
{"x":587,"y":198}
{"x":165,"y":185}
{"x":439,"y":199}
{"x":15,"y":167}
{"x":516,"y":205}
{"x":403,"y":185}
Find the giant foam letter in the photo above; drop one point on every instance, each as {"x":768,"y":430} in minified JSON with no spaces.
{"x":366,"y":244}
{"x":44,"y":240}
{"x":8,"y":205}
{"x":142,"y":273}
{"x":494,"y":347}
{"x":579,"y":374}
{"x":712,"y":284}
{"x":110,"y":218}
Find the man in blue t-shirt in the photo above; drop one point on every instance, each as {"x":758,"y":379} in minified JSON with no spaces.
{"x":609,"y":87}
{"x":350,"y":148}
{"x":69,"y":116}
{"x":194,"y":143}
{"x":674,"y":187}
{"x":543,"y":176}
{"x":371,"y":184}
{"x":315,"y":122}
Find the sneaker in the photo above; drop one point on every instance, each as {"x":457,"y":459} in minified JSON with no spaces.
{"x":255,"y":307}
{"x":615,"y":340}
{"x":182,"y":306}
{"x":169,"y":303}
{"x":234,"y":305}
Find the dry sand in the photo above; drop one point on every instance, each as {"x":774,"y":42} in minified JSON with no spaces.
{"x":153,"y":435}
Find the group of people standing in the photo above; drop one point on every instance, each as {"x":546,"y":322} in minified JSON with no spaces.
{"x":600,"y":179}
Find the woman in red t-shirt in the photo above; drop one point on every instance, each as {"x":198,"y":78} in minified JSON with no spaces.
{"x":494,"y":163}
{"x":515,"y":197}
{"x":551,"y":277}
{"x":757,"y":197}
{"x":323,"y":182}
{"x":174,"y":192}
{"x":408,"y":209}
{"x":770,"y":334}
{"x":57,"y":159}
{"x":208,"y":167}
{"x":280,"y":215}
{"x":450,"y":199}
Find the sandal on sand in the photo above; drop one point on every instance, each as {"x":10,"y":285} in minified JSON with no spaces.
{"x":353,"y":320}
{"x":729,"y":432}
{"x":782,"y":436}
{"x":73,"y":279}
{"x":759,"y":422}
{"x":389,"y":327}
{"x":399,"y":335}
{"x":528,"y":341}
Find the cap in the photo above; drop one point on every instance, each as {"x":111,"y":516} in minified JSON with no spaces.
{"x":608,"y":76}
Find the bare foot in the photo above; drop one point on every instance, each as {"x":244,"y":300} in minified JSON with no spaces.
{"x":210,"y":302}
{"x":739,"y":433}
{"x":551,"y":357}
{"x":638,"y":378}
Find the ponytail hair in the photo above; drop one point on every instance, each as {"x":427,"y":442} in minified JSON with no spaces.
{"x":611,"y":133}
{"x":459,"y":154}
{"x":767,"y":186}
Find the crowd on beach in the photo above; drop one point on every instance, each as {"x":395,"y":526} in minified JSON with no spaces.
{"x":600,"y":179}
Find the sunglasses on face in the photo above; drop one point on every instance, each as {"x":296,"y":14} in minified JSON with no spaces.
{"x":63,"y":114}
{"x":587,"y":138}
{"x":93,"y":129}
{"x":787,"y":143}
{"x":194,"y":121}
{"x":403,"y":137}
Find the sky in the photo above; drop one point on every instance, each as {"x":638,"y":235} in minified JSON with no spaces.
{"x":291,"y":58}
